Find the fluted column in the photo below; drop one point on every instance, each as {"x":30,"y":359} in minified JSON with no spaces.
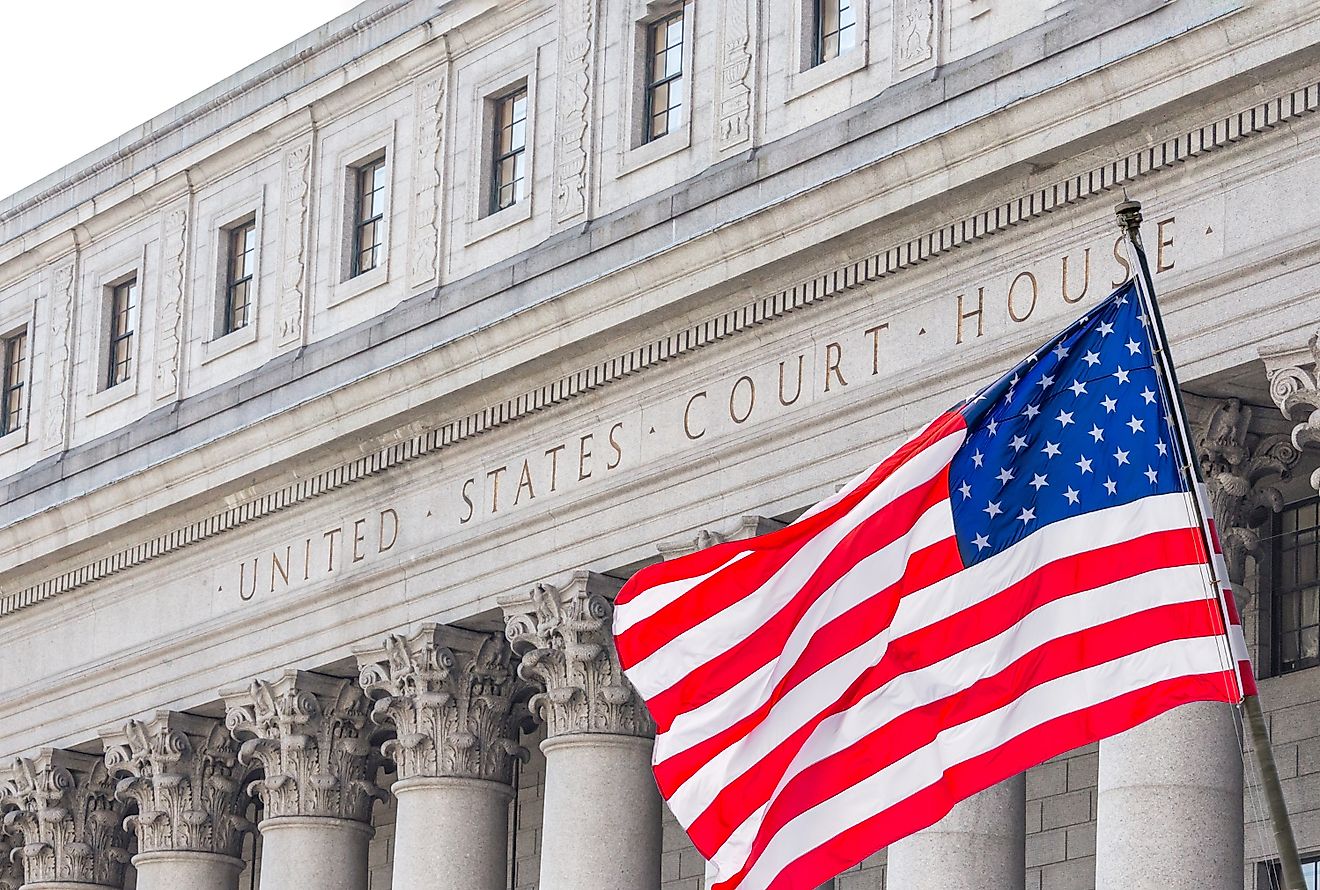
{"x":981,"y":843}
{"x":308,"y":733}
{"x":62,"y":804}
{"x":181,"y":771}
{"x":451,"y":696}
{"x":1169,"y":802}
{"x":602,"y":810}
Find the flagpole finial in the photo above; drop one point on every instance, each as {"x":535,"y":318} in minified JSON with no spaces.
{"x":1129,"y":218}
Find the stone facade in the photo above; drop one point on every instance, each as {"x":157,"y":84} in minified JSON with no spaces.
{"x":326,"y":596}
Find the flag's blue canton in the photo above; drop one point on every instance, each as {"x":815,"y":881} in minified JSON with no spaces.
{"x":1079,"y":426}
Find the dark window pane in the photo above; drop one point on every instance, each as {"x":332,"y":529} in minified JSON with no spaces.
{"x":123,"y":315}
{"x":13,"y":351}
{"x":368,"y":234}
{"x":836,"y":29}
{"x":664,"y":77}
{"x":510,"y":145}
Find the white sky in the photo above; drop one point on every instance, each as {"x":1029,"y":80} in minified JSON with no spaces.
{"x":79,"y":73}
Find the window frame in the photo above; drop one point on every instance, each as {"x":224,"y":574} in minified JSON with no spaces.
{"x":1278,"y":554}
{"x":651,"y":85}
{"x":249,"y":278}
{"x":9,"y":387}
{"x":819,"y":35}
{"x":1269,"y":875}
{"x":131,"y":285}
{"x":371,"y":167}
{"x":520,"y":154}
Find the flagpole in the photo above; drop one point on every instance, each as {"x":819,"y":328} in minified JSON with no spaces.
{"x":1129,"y":220}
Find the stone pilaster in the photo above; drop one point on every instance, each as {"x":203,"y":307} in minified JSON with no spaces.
{"x":451,"y":695}
{"x":309,"y":733}
{"x":562,"y":635}
{"x":601,"y":828}
{"x":62,"y":805}
{"x":453,"y":699}
{"x":183,"y":772}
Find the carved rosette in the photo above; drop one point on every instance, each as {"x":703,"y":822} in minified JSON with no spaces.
{"x":62,"y":804}
{"x":183,"y":773}
{"x":452,"y":697}
{"x":11,"y":861}
{"x":308,"y":733}
{"x":1240,"y":469}
{"x":563,"y":637}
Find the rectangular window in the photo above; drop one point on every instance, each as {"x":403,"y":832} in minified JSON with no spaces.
{"x":509,"y":170}
{"x":15,"y":372}
{"x":123,"y":320}
{"x":1270,"y":876}
{"x":242,"y":256}
{"x":664,"y":76}
{"x":368,"y":217}
{"x":836,"y":29}
{"x":1296,"y":597}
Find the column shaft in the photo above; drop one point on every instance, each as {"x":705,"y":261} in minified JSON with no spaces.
{"x":981,"y":843}
{"x":195,"y":871}
{"x":602,"y":826}
{"x":457,"y":828}
{"x":1170,"y":804}
{"x":314,"y":853}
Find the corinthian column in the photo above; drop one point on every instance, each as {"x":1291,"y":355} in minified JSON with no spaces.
{"x":180,"y":769}
{"x":602,"y":810}
{"x":62,"y":804}
{"x":307,"y":732}
{"x":449,"y":694}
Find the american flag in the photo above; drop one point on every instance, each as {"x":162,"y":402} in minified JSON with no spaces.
{"x":1025,"y":576}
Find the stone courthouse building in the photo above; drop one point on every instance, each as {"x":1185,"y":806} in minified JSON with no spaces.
{"x":339,"y":401}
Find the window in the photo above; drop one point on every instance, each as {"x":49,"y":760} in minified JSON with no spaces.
{"x":1269,"y":876}
{"x":664,"y":76}
{"x":836,"y":29}
{"x":509,"y":170}
{"x":11,"y":387}
{"x":1296,"y":622}
{"x":368,"y":217}
{"x":123,"y":319}
{"x":241,"y":258}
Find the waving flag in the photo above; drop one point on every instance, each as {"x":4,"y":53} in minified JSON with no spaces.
{"x":1025,"y":576}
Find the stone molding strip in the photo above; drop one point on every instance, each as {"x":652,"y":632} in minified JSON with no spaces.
{"x":1161,"y":156}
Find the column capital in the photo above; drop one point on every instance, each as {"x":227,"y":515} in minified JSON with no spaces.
{"x":563,"y":637}
{"x":62,"y":804}
{"x":452,"y":695}
{"x":1240,"y":469}
{"x":308,"y":732}
{"x":183,"y":772}
{"x":11,"y":861}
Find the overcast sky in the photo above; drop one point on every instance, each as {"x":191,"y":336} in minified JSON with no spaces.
{"x":79,"y":73}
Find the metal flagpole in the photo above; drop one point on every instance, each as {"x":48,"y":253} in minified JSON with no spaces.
{"x":1129,"y":220}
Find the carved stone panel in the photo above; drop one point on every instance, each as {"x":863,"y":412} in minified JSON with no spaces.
{"x":309,"y":734}
{"x":424,"y":245}
{"x":914,"y":32}
{"x":562,"y":635}
{"x":183,"y":773}
{"x":169,"y":323}
{"x":453,"y":697}
{"x":296,"y":202}
{"x":59,"y":329}
{"x":63,"y":806}
{"x":573,"y":111}
{"x":734,"y":103}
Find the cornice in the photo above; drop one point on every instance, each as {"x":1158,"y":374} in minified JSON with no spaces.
{"x":409,"y":447}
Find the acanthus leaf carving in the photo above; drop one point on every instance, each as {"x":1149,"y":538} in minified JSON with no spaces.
{"x":576,"y":38}
{"x":11,"y":860}
{"x":62,"y":805}
{"x":562,"y":635}
{"x":1294,"y":376}
{"x":452,"y":697}
{"x":309,"y":734}
{"x":183,"y":773}
{"x":169,"y":340}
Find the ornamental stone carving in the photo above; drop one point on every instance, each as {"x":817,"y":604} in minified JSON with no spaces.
{"x":296,"y":197}
{"x":1239,"y":469}
{"x":1294,"y":375}
{"x":915,"y":26}
{"x":747,"y":527}
{"x":563,"y":637}
{"x":424,"y":245}
{"x":63,"y":287}
{"x":170,"y":322}
{"x":734,"y":106}
{"x":11,"y":861}
{"x":577,"y":28}
{"x":183,"y":773}
{"x":452,"y":696}
{"x":63,"y":807}
{"x":309,"y":734}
